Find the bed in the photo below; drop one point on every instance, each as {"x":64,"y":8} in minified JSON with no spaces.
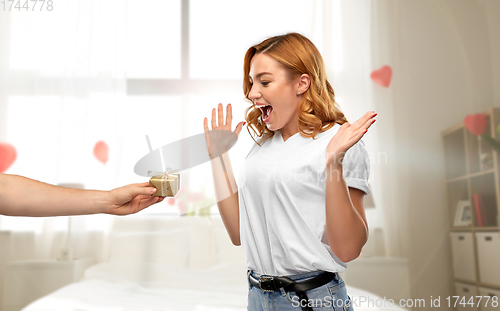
{"x":167,"y":264}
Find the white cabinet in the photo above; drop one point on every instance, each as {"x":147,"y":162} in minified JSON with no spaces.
{"x":462,"y":247}
{"x":488,"y":256}
{"x":25,"y":281}
{"x":468,"y":291}
{"x":493,"y":303}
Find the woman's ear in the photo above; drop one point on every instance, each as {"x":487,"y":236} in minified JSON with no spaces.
{"x":304,"y":83}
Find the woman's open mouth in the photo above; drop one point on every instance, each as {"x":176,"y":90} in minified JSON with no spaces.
{"x":266,"y":112}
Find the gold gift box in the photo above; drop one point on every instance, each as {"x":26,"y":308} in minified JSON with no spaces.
{"x":166,"y":185}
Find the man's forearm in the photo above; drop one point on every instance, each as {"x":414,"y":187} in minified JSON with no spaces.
{"x":21,"y":196}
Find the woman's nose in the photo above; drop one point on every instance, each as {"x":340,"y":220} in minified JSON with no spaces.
{"x":254,"y":93}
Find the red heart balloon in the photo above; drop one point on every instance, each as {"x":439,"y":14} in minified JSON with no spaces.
{"x":101,"y":151}
{"x":382,"y":76}
{"x":8,"y":155}
{"x":476,"y":123}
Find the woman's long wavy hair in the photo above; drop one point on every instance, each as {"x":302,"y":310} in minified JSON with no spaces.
{"x":318,"y":111}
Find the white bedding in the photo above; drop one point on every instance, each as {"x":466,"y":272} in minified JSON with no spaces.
{"x":151,"y":287}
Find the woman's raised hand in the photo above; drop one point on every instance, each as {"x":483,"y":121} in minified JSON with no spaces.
{"x":218,"y":123}
{"x":346,"y":137}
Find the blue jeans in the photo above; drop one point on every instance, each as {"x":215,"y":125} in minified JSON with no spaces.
{"x":331,"y":296}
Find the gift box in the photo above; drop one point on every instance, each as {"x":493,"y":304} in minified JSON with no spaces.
{"x":166,"y":185}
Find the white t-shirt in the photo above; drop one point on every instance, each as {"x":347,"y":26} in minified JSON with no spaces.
{"x":281,"y":192}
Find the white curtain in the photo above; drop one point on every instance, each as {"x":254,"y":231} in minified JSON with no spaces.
{"x":342,"y":31}
{"x":384,"y":50}
{"x":62,"y":88}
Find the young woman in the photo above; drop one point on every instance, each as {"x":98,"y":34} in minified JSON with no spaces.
{"x":298,"y":211}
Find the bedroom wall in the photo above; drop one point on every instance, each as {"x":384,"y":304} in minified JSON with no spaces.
{"x":492,"y":9}
{"x":445,"y":67}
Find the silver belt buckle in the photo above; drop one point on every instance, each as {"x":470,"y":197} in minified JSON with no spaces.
{"x":264,"y":278}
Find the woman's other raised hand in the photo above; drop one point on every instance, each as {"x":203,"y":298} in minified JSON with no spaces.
{"x":346,"y":137}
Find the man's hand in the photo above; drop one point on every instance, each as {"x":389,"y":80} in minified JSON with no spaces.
{"x":131,"y":199}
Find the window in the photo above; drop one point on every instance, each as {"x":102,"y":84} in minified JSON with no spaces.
{"x":153,"y":39}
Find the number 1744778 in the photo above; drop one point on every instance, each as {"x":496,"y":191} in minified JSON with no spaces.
{"x":27,"y":5}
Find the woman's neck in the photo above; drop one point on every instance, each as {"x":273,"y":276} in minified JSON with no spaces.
{"x":287,"y":133}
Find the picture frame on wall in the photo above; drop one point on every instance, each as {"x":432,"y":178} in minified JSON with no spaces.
{"x":463,"y":214}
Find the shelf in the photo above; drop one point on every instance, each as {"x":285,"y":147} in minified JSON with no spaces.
{"x":461,"y":229}
{"x":472,"y":182}
{"x":465,"y":281}
{"x":465,"y":177}
{"x":482,"y":173}
{"x":452,"y":129}
{"x":471,"y":229}
{"x":486,"y":228}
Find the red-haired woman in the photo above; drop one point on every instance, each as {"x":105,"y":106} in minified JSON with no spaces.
{"x":298,"y":212}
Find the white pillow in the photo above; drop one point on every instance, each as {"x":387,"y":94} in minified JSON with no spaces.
{"x":200,"y":239}
{"x":225,"y":250}
{"x":170,"y":248}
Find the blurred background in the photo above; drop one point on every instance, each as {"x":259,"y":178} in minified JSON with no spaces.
{"x":76,"y":76}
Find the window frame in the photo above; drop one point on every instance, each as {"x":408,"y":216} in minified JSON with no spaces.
{"x":184,"y":85}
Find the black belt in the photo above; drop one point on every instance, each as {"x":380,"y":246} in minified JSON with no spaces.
{"x":268,"y":283}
